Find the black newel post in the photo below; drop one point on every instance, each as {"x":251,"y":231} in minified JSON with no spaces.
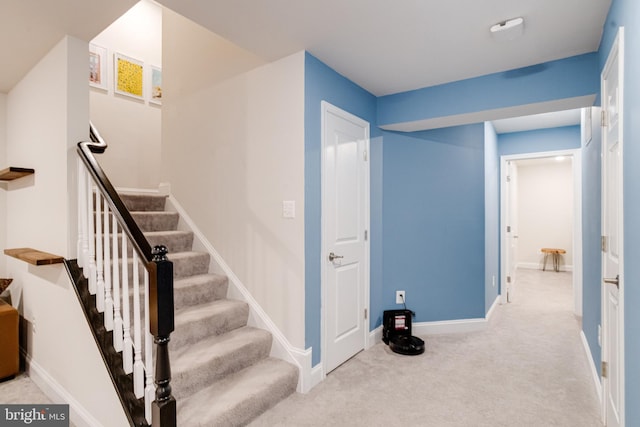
{"x":162,"y":324}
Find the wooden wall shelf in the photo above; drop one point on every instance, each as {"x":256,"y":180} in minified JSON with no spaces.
{"x":34,"y":256}
{"x":11,"y":173}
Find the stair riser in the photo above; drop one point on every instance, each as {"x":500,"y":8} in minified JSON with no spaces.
{"x":186,"y":383}
{"x":198,"y":263}
{"x":256,"y":404}
{"x":199,"y":293}
{"x":217,"y":324}
{"x":177,"y":243}
{"x":146,"y":221}
{"x":156,"y":221}
{"x":137,"y":202}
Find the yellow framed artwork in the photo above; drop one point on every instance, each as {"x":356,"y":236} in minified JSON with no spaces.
{"x":128,"y":76}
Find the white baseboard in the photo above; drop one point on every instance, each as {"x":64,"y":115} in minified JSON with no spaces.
{"x":492,"y":308}
{"x":449,"y":326}
{"x":442,"y":327}
{"x":375,"y":336}
{"x":281,"y":347}
{"x":538,"y":266}
{"x":58,"y":394}
{"x":592,"y":365}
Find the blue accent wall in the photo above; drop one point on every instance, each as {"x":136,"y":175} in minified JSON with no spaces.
{"x":627,"y":13}
{"x":564,"y":78}
{"x":533,"y":141}
{"x":492,"y":215}
{"x":323,"y":83}
{"x":433,"y":213}
{"x":591,"y":231}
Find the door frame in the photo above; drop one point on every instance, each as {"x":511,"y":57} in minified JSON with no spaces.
{"x":576,"y":156}
{"x":326,"y":107}
{"x":616,"y":48}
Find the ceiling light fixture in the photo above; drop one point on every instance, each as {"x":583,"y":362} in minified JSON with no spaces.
{"x":508,"y":30}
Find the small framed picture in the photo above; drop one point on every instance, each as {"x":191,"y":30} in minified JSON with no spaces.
{"x":97,"y":66}
{"x":129,"y":76}
{"x":155,"y":86}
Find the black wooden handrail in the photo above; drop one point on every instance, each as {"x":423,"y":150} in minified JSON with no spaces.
{"x":129,"y":226}
{"x":161,"y":304}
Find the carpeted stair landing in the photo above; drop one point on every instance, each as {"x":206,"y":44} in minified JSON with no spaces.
{"x":221,"y":371}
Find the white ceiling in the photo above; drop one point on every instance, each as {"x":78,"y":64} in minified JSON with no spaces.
{"x":384,"y":46}
{"x":30,"y":28}
{"x":394,"y":46}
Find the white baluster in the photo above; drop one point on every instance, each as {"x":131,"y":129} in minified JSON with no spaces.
{"x":150,"y":389}
{"x":99,"y":255}
{"x":127,"y":351}
{"x":91,"y":233}
{"x":81,"y":209}
{"x":117,"y":315}
{"x":108,"y":299}
{"x":138,"y":366}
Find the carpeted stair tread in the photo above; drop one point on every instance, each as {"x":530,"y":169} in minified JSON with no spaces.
{"x":240,"y":397}
{"x":143,"y":201}
{"x":197,"y":289}
{"x":196,"y":366}
{"x":193,"y":324}
{"x":156,"y":221}
{"x":189,"y":263}
{"x":174,"y":240}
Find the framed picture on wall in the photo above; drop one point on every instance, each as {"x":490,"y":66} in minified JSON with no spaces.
{"x":155,"y":85}
{"x":97,"y":66}
{"x":128,"y":76}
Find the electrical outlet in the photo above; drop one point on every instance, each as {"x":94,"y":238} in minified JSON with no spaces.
{"x":400,"y":297}
{"x":493,"y":281}
{"x":599,"y":336}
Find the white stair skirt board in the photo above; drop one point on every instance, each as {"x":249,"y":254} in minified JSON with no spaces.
{"x":538,"y":266}
{"x":443,"y":327}
{"x":280,"y":348}
{"x":594,"y":372}
{"x":58,"y":394}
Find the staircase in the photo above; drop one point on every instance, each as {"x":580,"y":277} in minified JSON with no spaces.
{"x":222,"y":374}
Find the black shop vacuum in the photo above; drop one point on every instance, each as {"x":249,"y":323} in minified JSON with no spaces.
{"x":396,"y":332}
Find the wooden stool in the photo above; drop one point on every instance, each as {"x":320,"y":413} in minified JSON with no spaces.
{"x":555,"y":256}
{"x":9,"y":356}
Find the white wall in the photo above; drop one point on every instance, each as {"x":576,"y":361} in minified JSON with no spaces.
{"x":130,"y":126}
{"x":3,"y":185}
{"x":47,"y":114}
{"x":545,"y":211}
{"x":233,"y":150}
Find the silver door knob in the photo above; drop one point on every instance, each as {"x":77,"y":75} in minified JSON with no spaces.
{"x":333,"y":256}
{"x":615,"y":281}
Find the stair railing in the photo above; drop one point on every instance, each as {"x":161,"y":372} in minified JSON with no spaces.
{"x":137,"y":303}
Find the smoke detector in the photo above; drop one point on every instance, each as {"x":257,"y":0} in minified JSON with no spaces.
{"x":508,"y":30}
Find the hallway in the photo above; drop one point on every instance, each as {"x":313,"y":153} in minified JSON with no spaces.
{"x":528,"y":368}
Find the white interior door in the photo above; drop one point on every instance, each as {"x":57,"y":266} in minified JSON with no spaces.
{"x":512,"y":228}
{"x":345,"y":216}
{"x":612,"y":232}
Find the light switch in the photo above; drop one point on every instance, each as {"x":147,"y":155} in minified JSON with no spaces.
{"x":288,"y":209}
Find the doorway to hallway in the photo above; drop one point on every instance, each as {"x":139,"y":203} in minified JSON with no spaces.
{"x":541,"y":207}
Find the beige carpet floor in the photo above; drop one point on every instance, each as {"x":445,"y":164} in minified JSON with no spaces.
{"x":528,"y":368}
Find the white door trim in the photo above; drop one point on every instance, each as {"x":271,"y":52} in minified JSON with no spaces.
{"x":325,"y":108}
{"x":617,"y":47}
{"x":577,"y":220}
